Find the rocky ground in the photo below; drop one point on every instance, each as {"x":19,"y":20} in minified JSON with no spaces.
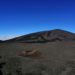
{"x":57,"y":58}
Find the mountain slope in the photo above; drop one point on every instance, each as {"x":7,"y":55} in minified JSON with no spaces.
{"x":1,"y":41}
{"x":56,"y":58}
{"x":45,"y":36}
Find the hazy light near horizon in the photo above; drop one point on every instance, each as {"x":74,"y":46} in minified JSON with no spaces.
{"x":8,"y":37}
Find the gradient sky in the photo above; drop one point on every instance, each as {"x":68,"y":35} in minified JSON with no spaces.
{"x":19,"y":17}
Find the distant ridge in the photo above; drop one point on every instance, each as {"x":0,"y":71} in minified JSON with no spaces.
{"x":45,"y":36}
{"x":1,"y":41}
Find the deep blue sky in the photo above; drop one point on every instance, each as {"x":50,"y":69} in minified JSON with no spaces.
{"x":19,"y":17}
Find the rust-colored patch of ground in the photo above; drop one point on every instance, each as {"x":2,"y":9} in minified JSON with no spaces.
{"x":69,"y":43}
{"x":31,"y":54}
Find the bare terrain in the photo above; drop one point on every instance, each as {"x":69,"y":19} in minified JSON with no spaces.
{"x":56,"y":56}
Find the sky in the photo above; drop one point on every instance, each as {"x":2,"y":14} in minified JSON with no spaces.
{"x":19,"y":17}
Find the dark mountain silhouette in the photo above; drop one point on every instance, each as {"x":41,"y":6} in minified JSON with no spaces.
{"x":1,"y":41}
{"x":45,"y":36}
